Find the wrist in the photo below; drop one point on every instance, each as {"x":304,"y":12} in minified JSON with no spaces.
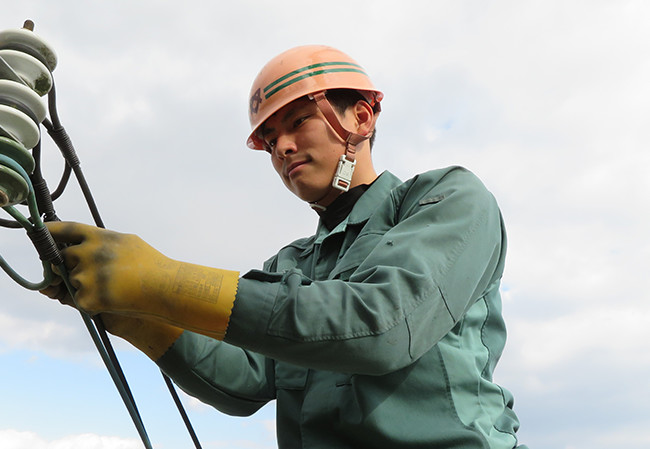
{"x":200,"y":299}
{"x":152,"y":337}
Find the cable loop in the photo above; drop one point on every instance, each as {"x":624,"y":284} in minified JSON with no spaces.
{"x":45,"y":245}
{"x":63,"y":141}
{"x":40,"y":202}
{"x":43,"y":199}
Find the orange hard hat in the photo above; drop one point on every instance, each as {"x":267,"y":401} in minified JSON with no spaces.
{"x":303,"y":71}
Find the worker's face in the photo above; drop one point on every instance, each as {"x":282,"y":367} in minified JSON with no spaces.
{"x":304,"y":149}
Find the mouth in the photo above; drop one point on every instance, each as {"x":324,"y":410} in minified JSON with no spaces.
{"x":293,"y":166}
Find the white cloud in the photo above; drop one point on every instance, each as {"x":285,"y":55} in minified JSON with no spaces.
{"x":605,"y":437}
{"x":17,"y":332}
{"x":13,"y":439}
{"x":271,"y":426}
{"x":126,"y":108}
{"x":546,"y":345}
{"x":545,"y":101}
{"x":623,"y":436}
{"x":192,"y":403}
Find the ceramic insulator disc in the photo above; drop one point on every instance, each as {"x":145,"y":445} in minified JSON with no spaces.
{"x":17,"y":153}
{"x":13,"y":188}
{"x":18,"y":126}
{"x":29,"y":69}
{"x":24,"y":95}
{"x":26,"y":39}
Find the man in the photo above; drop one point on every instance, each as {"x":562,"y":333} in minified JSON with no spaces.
{"x":382,"y":330}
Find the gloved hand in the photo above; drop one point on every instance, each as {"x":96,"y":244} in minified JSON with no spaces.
{"x":58,"y":290}
{"x":120,"y":273}
{"x":151,"y":337}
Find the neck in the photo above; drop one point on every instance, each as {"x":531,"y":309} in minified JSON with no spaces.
{"x":357,"y":180}
{"x":363,"y":173}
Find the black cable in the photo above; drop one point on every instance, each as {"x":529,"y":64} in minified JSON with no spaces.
{"x":181,"y":410}
{"x":101,"y":330}
{"x":63,"y":182}
{"x":44,"y":200}
{"x":45,"y":245}
{"x":10,"y":224}
{"x":64,"y":143}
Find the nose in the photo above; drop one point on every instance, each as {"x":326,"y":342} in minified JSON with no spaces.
{"x":285,"y":144}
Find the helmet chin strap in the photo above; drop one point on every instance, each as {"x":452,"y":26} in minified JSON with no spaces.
{"x":345,"y":169}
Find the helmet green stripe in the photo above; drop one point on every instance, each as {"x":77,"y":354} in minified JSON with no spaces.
{"x":273,"y":87}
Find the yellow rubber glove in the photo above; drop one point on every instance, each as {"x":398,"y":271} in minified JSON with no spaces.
{"x":151,"y":337}
{"x":58,"y":290}
{"x":120,"y":273}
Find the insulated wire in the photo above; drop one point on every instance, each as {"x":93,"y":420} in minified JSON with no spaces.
{"x":56,"y":130}
{"x":97,"y":333}
{"x":47,"y":269}
{"x":94,"y":324}
{"x":108,"y":356}
{"x":37,"y":231}
{"x":25,"y":223}
{"x":62,"y":183}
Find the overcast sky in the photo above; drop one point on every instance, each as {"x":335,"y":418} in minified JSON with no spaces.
{"x":548,"y":102}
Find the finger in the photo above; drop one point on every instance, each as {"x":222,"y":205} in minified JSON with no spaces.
{"x":56,"y":270}
{"x":69,"y":232}
{"x":76,"y":278}
{"x":85,"y":293}
{"x":56,"y":280}
{"x":50,"y":291}
{"x":60,"y":293}
{"x":71,"y":257}
{"x":53,"y":287}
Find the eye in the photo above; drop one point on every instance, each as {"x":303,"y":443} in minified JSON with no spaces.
{"x":269,"y":145}
{"x":299,"y":121}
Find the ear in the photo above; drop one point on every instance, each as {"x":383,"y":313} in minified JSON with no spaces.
{"x":365,"y":117}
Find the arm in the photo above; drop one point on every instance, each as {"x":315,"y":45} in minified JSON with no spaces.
{"x":437,"y":251}
{"x":412,"y":278}
{"x":151,"y":337}
{"x":231,"y":379}
{"x":121,"y":274}
{"x":228,"y":378}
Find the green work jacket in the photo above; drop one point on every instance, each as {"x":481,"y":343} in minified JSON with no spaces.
{"x":381,"y":333}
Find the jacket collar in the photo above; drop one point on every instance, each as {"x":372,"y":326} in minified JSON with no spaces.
{"x":375,"y":194}
{"x":365,"y":206}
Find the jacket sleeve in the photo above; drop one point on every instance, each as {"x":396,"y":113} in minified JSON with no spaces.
{"x":436,"y":251}
{"x":231,"y":379}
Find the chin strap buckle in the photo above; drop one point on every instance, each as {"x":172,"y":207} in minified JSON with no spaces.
{"x":343,"y":176}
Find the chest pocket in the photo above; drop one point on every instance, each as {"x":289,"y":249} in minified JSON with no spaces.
{"x":290,"y":377}
{"x":350,"y":260}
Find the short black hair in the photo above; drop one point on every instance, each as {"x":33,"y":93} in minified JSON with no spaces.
{"x":342,"y":99}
